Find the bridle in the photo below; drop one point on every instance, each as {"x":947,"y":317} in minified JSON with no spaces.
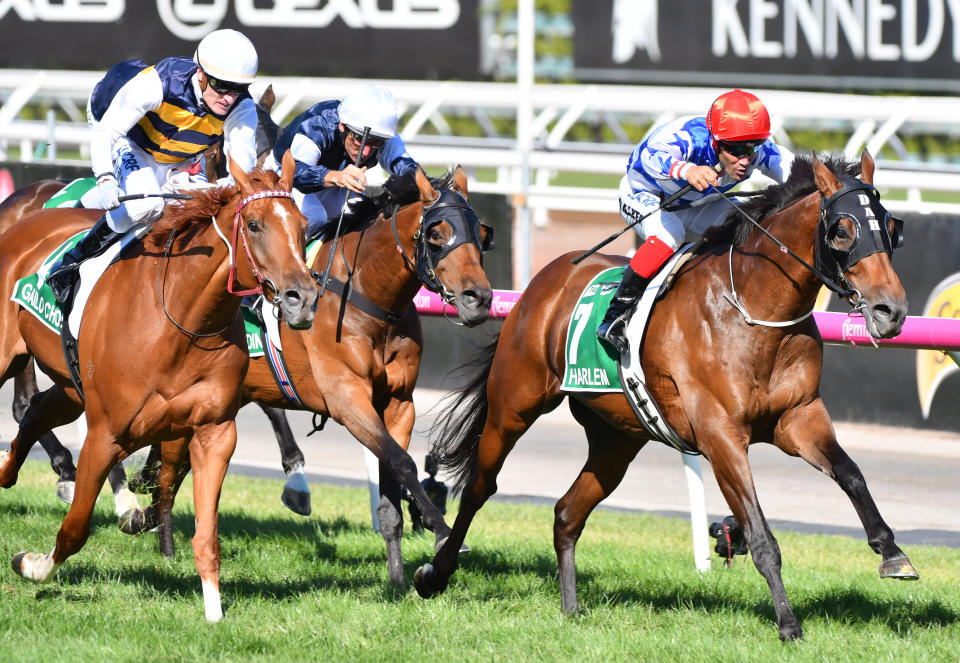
{"x":452,"y":208}
{"x":830,"y":263}
{"x":238,"y":233}
{"x":860,"y":203}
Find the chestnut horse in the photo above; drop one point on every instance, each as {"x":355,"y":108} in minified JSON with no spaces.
{"x":402,"y":357}
{"x":355,"y":365}
{"x":173,"y":373}
{"x":13,"y":208}
{"x":721,"y":382}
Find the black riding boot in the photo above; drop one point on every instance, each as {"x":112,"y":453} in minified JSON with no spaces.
{"x":614,"y":326}
{"x":63,"y":277}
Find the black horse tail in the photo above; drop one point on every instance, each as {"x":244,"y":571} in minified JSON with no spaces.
{"x":455,"y":435}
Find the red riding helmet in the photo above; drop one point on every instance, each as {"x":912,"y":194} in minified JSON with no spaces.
{"x":737,"y":116}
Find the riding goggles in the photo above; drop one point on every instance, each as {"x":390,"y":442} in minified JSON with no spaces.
{"x":227,"y":87}
{"x":372,"y":141}
{"x":740,"y":149}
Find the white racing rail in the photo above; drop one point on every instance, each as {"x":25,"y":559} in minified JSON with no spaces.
{"x":430,"y":108}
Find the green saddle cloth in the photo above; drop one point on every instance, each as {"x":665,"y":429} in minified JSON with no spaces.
{"x":37,"y":297}
{"x":591,"y":364}
{"x":70,"y":195}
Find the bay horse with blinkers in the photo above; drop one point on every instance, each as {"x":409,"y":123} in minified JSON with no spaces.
{"x":722,"y":383}
{"x":162,"y":347}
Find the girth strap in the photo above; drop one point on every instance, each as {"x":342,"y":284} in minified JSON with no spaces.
{"x":275,"y":360}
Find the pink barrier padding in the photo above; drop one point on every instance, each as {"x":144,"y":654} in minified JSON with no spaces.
{"x":918,"y":332}
{"x":429,"y":303}
{"x":836,"y":328}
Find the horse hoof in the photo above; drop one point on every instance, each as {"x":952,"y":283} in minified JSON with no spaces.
{"x":296,"y":494}
{"x":141,"y":484}
{"x":421,"y":581}
{"x":793,"y":632}
{"x":32,"y":566}
{"x":65,"y":491}
{"x":17,"y":563}
{"x":464,"y":548}
{"x":898,"y":567}
{"x":138,"y":521}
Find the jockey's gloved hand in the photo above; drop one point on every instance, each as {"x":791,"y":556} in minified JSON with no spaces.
{"x":109,"y":191}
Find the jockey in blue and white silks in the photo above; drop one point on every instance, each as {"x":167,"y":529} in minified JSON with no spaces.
{"x":734,"y":137}
{"x":325,"y":143}
{"x":147,"y":123}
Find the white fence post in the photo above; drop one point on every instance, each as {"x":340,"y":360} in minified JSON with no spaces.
{"x":698,"y":512}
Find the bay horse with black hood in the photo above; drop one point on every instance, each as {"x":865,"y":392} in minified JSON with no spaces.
{"x":161,"y":345}
{"x":721,"y":381}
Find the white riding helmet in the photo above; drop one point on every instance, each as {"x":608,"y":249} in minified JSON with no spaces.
{"x":370,"y":106}
{"x":227,"y":55}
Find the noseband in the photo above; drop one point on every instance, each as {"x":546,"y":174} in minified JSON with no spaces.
{"x":452,"y":208}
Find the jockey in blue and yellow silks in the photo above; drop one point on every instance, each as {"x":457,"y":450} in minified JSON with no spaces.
{"x":151,"y":123}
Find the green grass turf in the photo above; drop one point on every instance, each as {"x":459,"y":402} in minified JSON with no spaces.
{"x":315,"y":589}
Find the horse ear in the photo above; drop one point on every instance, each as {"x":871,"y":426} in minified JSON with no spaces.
{"x":268,"y":98}
{"x":427,"y":193}
{"x":287,"y":170}
{"x":866,"y":167}
{"x":239,"y":177}
{"x":460,"y":181}
{"x":826,"y":181}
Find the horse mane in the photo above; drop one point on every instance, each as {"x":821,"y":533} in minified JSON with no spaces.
{"x":736,"y":228}
{"x":400,"y":191}
{"x":188,"y":215}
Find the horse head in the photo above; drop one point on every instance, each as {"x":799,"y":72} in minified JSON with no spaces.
{"x":272,"y":232}
{"x":856,"y":238}
{"x":449,"y":244}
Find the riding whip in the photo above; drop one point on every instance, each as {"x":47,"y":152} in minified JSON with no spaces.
{"x":336,"y":236}
{"x":168,"y":196}
{"x":667,"y":201}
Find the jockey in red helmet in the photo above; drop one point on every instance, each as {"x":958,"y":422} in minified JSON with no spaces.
{"x":734,"y":138}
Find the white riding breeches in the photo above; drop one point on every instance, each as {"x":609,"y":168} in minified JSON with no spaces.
{"x":137,"y":172}
{"x":674,"y":227}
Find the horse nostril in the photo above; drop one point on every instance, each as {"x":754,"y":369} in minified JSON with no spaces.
{"x":292,"y":298}
{"x":469,"y":297}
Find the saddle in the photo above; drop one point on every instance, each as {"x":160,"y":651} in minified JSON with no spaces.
{"x":35,"y":296}
{"x":592,"y":366}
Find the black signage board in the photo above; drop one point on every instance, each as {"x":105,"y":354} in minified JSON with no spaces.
{"x":819,"y":44}
{"x":426,"y":39}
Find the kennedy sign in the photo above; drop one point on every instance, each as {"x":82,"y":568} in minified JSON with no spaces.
{"x":870,"y":44}
{"x":381,"y":38}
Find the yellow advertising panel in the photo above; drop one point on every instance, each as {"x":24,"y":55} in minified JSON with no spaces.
{"x":934,"y":366}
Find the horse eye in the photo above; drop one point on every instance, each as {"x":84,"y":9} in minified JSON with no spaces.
{"x":253,"y":226}
{"x":434,"y":235}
